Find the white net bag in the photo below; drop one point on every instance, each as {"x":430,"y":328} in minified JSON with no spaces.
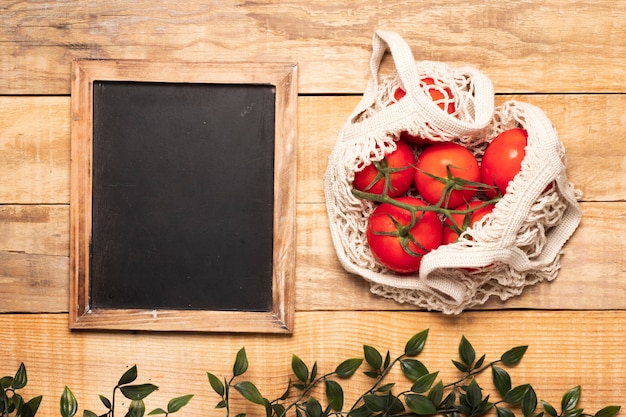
{"x":518,"y":244}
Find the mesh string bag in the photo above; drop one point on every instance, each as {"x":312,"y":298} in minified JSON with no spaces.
{"x":518,"y":244}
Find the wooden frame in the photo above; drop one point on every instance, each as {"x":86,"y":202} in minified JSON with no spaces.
{"x":284,"y":78}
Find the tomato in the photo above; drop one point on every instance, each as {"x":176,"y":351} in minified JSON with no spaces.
{"x":442,"y":96}
{"x":431,"y":175}
{"x":397,"y":167}
{"x":502,"y":160}
{"x":397,"y":249}
{"x":461,"y":221}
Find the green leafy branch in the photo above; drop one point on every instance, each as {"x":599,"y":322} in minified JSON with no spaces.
{"x":427,"y":395}
{"x":306,"y":381}
{"x":11,"y":402}
{"x":136,"y":393}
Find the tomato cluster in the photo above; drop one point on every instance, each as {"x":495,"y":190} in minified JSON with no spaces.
{"x":428,"y":193}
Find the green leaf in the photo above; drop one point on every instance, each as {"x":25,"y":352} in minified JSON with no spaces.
{"x":513,"y":356}
{"x":129,"y":376}
{"x":420,"y":404}
{"x":466,"y":352}
{"x":393,"y":405}
{"x":374,"y":403}
{"x":286,"y":393}
{"x":501,"y":380}
{"x":416,"y":343}
{"x":137,"y":408}
{"x":348,"y":367}
{"x":386,"y":387}
{"x":373,"y":357}
{"x":157,"y":411}
{"x":515,"y":395}
{"x":25,"y":411}
{"x":17,"y":401}
{"x":20,"y":379}
{"x":473,"y":395}
{"x":334,"y":394}
{"x":278,"y":409}
{"x":529,"y":402}
{"x":241,"y":363}
{"x":313,"y":408}
{"x":68,"y":404}
{"x":387,"y":360}
{"x":88,"y":413}
{"x":175,"y":404}
{"x":608,"y":411}
{"x":6,"y":381}
{"x":300,"y":370}
{"x":436,"y":394}
{"x":362,"y":411}
{"x":504,"y":412}
{"x":460,"y":366}
{"x":313,"y":372}
{"x":138,"y":392}
{"x":480,"y":362}
{"x":34,"y":403}
{"x":448,"y":402}
{"x":106,"y":402}
{"x":576,"y":412}
{"x":216,"y":384}
{"x":570,"y":399}
{"x":250,"y":392}
{"x":413,"y":369}
{"x":549,"y":409}
{"x":424,"y":383}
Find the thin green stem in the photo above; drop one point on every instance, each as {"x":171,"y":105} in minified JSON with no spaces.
{"x":379,"y":379}
{"x":472,"y":373}
{"x":304,"y":392}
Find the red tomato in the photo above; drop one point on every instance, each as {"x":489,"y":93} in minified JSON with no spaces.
{"x":396,"y":168}
{"x":431,"y":175}
{"x":441,"y":96}
{"x":502,"y":160}
{"x":397,"y":249}
{"x":464,"y":221}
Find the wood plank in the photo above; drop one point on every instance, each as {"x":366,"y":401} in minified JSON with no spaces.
{"x":34,"y":283}
{"x":34,"y":144}
{"x":591,"y":274}
{"x":566,"y":349}
{"x":522,"y":46}
{"x":587,"y":124}
{"x":35,"y":230}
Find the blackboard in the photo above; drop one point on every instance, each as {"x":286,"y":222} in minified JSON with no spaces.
{"x":181,"y":185}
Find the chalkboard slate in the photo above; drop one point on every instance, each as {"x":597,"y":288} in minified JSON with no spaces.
{"x":182,"y":198}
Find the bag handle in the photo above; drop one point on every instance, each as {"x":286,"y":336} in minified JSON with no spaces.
{"x":406,"y":69}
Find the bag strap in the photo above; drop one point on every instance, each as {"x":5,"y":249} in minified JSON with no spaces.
{"x":408,"y":74}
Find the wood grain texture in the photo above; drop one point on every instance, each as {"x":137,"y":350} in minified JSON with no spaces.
{"x":556,"y":45}
{"x":589,"y":125}
{"x":566,"y":349}
{"x":35,"y":238}
{"x":34,"y":134}
{"x":591,"y":274}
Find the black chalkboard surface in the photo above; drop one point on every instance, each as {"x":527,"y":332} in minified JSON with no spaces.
{"x":182,"y":198}
{"x":183,"y":181}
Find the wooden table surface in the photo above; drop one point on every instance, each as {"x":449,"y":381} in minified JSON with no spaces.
{"x":569,"y":58}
